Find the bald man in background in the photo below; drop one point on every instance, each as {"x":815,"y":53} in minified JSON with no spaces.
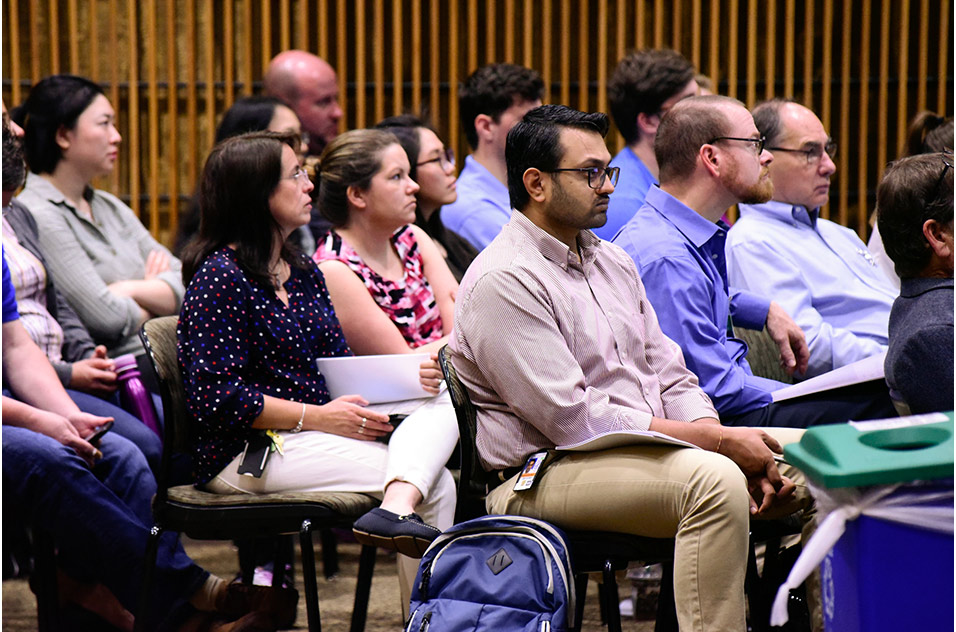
{"x":309,"y":85}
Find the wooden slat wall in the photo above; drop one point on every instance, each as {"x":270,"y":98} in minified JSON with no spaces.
{"x":171,"y":67}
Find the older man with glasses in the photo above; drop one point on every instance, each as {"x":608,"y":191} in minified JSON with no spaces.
{"x":820,"y":272}
{"x":711,"y":156}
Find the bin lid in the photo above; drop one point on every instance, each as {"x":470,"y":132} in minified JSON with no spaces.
{"x":879,"y":452}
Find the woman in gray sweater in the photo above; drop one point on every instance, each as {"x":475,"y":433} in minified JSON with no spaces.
{"x":111,"y":270}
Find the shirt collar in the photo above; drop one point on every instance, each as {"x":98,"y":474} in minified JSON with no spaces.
{"x":914,"y":286}
{"x":696,"y":228}
{"x":552,"y":248}
{"x":793,"y":214}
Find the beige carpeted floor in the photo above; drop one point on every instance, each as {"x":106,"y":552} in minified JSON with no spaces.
{"x":335,"y":597}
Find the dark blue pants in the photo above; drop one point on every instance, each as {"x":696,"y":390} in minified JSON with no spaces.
{"x":99,"y":518}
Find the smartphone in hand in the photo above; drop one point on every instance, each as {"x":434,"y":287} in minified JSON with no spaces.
{"x":94,"y":439}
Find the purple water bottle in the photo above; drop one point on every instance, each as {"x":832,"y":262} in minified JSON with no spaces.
{"x":133,"y":395}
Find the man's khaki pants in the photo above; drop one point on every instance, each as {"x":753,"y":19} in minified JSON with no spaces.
{"x":699,"y":498}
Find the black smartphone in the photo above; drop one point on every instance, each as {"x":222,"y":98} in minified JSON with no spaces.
{"x":255,"y":455}
{"x":394,"y":420}
{"x":94,"y":439}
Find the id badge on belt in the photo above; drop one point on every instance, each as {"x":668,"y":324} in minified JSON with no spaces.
{"x":530,"y":471}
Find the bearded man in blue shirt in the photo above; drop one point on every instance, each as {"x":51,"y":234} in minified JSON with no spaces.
{"x":711,"y":156}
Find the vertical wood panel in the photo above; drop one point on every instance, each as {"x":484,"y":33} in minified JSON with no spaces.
{"x":640,"y":21}
{"x":285,"y":37}
{"x":695,"y":28}
{"x":34,"y":41}
{"x":341,"y":58}
{"x":770,"y":42}
{"x":54,"y":25}
{"x":789,"y":43}
{"x":14,"y":59}
{"x":265,"y":30}
{"x":152,"y":91}
{"x":658,"y":23}
{"x":714,"y":60}
{"x":378,"y":61}
{"x":113,"y":24}
{"x":247,"y":39}
{"x":564,"y":45}
{"x":172,"y":114}
{"x":808,"y":66}
{"x":922,"y":71}
{"x":323,"y":27}
{"x":210,"y":58}
{"x":732,"y":51}
{"x":902,"y":73}
{"x":95,"y":71}
{"x":827,"y":63}
{"x":752,"y":38}
{"x":361,"y":82}
{"x":74,"y":35}
{"x":527,"y":42}
{"x":471,"y":20}
{"x":583,"y":55}
{"x":229,"y":58}
{"x":491,"y":11}
{"x":602,"y":57}
{"x":547,"y":15}
{"x":453,"y":72}
{"x":846,"y":56}
{"x":864,"y":116}
{"x":676,"y":25}
{"x":509,"y":32}
{"x":945,"y":26}
{"x":301,"y":26}
{"x":416,"y":61}
{"x":134,"y":161}
{"x":882,"y":125}
{"x":398,"y":92}
{"x":434,"y":68}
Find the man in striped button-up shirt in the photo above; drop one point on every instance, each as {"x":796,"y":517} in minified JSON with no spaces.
{"x":557,"y":343}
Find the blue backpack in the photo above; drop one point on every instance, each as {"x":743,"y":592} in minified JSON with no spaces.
{"x":494,"y":574}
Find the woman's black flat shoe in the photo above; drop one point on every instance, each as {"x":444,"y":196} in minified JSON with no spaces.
{"x":408,"y":534}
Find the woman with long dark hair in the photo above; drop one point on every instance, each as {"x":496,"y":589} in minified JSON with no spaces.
{"x":255,"y":319}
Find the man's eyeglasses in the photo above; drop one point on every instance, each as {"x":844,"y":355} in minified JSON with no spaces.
{"x":947,"y":164}
{"x":757,"y":142}
{"x":815,"y":153}
{"x":446,"y":159}
{"x":596,"y":175}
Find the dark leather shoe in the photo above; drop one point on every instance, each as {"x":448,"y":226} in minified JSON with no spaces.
{"x":278,"y":603}
{"x":409,"y":535}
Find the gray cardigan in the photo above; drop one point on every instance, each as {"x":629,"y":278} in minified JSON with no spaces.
{"x":77,"y":342}
{"x":84,"y":257}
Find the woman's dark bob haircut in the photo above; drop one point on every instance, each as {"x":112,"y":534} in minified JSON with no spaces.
{"x":54,"y":103}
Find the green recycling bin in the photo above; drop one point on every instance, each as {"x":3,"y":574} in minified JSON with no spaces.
{"x":884,"y":490}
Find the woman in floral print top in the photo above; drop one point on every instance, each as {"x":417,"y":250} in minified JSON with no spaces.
{"x":388,"y":281}
{"x":255,"y":318}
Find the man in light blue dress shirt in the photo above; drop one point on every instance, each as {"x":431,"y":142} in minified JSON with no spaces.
{"x":820,"y":272}
{"x":644,"y":86}
{"x":711,"y":156}
{"x":490,"y":102}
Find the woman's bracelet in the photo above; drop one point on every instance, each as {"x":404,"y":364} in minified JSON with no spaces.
{"x":720,"y":438}
{"x":298,"y":426}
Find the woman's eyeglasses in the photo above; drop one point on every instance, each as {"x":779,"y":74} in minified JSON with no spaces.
{"x":446,"y":159}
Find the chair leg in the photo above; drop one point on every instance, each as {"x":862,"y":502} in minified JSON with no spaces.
{"x":308,"y":576}
{"x":44,"y":569}
{"x":330,"y":552}
{"x":612,"y":605}
{"x":363,"y":588}
{"x":143,"y":622}
{"x":753,"y":587}
{"x":581,"y":588}
{"x":666,"y":607}
{"x":284,"y":552}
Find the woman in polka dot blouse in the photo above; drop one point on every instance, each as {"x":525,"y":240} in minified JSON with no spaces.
{"x":255,"y":318}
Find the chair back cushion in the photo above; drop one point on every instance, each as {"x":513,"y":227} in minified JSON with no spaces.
{"x":159,"y":339}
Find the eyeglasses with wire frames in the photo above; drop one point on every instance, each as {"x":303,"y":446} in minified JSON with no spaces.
{"x":596,"y":175}
{"x":445,"y":159}
{"x":299,"y":173}
{"x":814,"y":153}
{"x":757,"y":142}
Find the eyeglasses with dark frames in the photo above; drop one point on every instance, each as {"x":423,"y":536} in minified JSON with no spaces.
{"x":757,"y":142}
{"x":596,"y":175}
{"x":446,"y":159}
{"x":815,"y":153}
